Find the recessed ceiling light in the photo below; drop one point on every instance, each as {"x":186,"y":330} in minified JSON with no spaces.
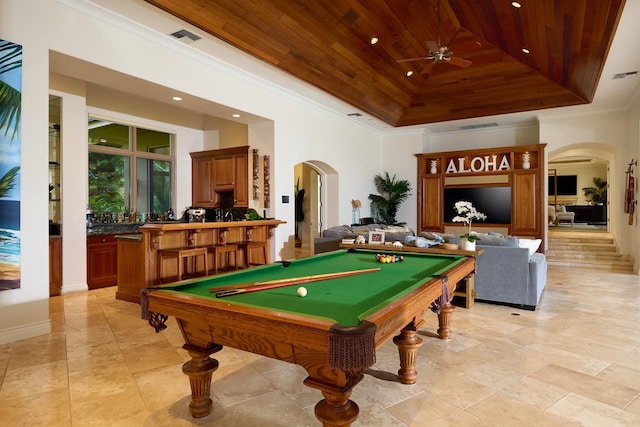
{"x":374,"y":40}
{"x":235,"y":115}
{"x":409,"y":73}
{"x":525,"y":50}
{"x":177,"y":98}
{"x":516,"y":4}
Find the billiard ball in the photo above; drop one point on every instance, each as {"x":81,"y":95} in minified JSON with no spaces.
{"x":302,"y":291}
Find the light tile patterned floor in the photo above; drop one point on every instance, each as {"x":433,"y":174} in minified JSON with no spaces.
{"x":574,"y":361}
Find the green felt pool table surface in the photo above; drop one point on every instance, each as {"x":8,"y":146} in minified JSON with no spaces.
{"x":345,"y":301}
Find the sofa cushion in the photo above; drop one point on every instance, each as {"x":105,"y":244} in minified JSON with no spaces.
{"x":531,"y":244}
{"x":339,"y":232}
{"x":394,"y":233}
{"x":496,"y":239}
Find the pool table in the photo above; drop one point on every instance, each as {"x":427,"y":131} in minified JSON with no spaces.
{"x":333,"y":332}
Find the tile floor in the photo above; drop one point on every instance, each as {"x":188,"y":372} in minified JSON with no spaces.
{"x":574,"y":361}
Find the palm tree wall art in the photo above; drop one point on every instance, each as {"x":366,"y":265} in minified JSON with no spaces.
{"x":10,"y":108}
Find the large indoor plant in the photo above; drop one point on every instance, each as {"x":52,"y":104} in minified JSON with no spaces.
{"x":597,"y":193}
{"x":392,"y":193}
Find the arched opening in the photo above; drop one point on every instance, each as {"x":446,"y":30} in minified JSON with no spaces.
{"x":581,"y":164}
{"x":319,"y":204}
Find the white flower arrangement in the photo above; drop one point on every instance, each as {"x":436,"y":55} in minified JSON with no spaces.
{"x":467,"y":213}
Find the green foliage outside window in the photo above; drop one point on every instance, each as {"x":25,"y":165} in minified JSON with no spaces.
{"x":107,"y":183}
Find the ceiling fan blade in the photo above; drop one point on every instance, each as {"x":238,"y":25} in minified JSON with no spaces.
{"x":459,"y":62}
{"x":433,"y":46}
{"x":463,"y":48}
{"x":428,"y":68}
{"x":413,"y":59}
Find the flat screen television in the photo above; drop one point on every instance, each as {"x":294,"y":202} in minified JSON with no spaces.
{"x":494,"y":202}
{"x":567,"y":185}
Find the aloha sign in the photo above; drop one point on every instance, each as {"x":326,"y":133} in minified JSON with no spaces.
{"x":492,"y":163}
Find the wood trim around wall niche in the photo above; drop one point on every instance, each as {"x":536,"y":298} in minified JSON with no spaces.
{"x":520,"y":167}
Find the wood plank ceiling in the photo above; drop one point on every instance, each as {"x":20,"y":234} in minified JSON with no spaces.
{"x":327,"y":44}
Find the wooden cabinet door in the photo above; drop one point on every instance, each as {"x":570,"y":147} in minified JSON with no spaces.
{"x":55,"y":265}
{"x":223,"y":172}
{"x":202,"y":182}
{"x":241,"y":186}
{"x":430,"y":204}
{"x":525,"y":211}
{"x":102,"y":261}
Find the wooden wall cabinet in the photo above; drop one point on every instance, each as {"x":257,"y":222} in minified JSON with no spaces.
{"x":519,"y":167}
{"x":217,"y":171}
{"x":102,"y":261}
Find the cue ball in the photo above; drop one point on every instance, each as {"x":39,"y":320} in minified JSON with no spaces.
{"x":302,"y":291}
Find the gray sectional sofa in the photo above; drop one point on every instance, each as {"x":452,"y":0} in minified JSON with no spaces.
{"x":509,"y":271}
{"x":332,"y":237}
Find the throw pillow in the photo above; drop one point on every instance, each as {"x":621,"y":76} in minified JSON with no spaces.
{"x":531,"y":244}
{"x":431,"y":236}
{"x":490,"y":240}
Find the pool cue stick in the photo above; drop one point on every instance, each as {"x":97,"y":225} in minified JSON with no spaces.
{"x":280,"y":283}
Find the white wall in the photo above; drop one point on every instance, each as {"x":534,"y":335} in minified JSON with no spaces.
{"x":607,"y":136}
{"x":295,"y":130}
{"x":301,"y":132}
{"x":399,"y":154}
{"x":632,"y":151}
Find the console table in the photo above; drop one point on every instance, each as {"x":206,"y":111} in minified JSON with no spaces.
{"x":590,"y":214}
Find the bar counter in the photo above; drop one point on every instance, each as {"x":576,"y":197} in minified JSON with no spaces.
{"x":138,"y":258}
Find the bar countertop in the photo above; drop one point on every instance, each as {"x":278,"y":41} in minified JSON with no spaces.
{"x":208,"y":225}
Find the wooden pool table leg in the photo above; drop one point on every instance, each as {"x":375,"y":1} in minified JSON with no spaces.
{"x":200,"y":369}
{"x":408,"y":343}
{"x":336,"y":409}
{"x":444,"y":321}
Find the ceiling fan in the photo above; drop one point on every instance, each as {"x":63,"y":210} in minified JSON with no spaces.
{"x":438,"y":53}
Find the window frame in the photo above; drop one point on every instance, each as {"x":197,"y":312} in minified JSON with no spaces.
{"x":134,"y":155}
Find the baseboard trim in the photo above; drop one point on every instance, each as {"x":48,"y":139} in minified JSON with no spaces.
{"x":81,"y":287}
{"x":25,"y":331}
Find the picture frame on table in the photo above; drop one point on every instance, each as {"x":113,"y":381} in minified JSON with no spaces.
{"x":376,"y":237}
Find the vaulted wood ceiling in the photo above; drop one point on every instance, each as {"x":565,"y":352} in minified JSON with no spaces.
{"x":327,"y":44}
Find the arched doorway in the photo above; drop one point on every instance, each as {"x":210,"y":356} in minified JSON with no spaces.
{"x":320,"y":206}
{"x":584,"y":163}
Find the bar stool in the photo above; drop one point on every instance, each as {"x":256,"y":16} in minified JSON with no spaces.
{"x":246,"y":247}
{"x":182,"y":255}
{"x":223,"y":252}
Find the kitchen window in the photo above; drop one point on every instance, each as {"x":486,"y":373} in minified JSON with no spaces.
{"x":130,"y":169}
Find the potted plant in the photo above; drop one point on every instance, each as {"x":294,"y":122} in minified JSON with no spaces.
{"x":467,"y":213}
{"x":392,"y":193}
{"x":598,"y":193}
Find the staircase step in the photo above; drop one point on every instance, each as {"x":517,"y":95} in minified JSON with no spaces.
{"x":583,"y":247}
{"x":587,"y":250}
{"x":582,"y":238}
{"x":608,"y":266}
{"x":615,"y":256}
